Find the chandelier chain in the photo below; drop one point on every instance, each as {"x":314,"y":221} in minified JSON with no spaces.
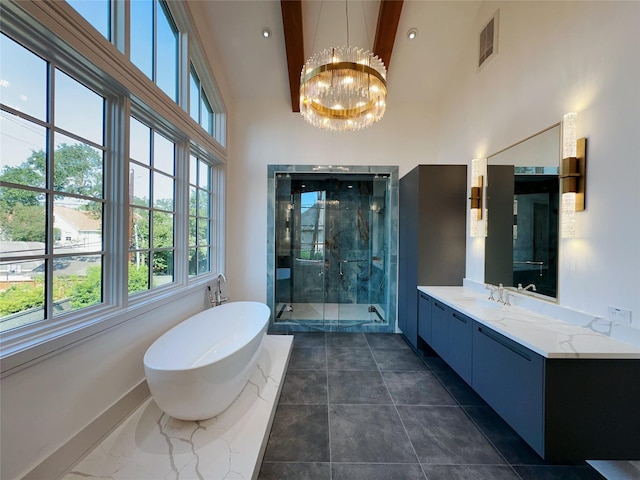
{"x":366,"y":27}
{"x":346,"y":10}
{"x":315,"y":34}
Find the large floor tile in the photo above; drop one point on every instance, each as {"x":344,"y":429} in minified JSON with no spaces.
{"x":386,"y":340}
{"x":512,"y":447}
{"x":398,"y":359}
{"x":458,"y":388}
{"x":445,"y":435}
{"x":356,"y":340}
{"x":295,"y":471}
{"x":434,"y":362}
{"x":304,"y":387}
{"x":300,"y":433}
{"x":309,"y":340}
{"x":368,"y":433}
{"x":357,"y":387}
{"x":557,"y":473}
{"x":376,"y":471}
{"x":416,"y":388}
{"x":470,"y":472}
{"x":308,"y":359}
{"x":345,"y":358}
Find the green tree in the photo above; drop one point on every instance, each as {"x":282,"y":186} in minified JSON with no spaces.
{"x":87,"y":290}
{"x":138,"y":278}
{"x":77,"y":170}
{"x":21,"y":296}
{"x":26,"y":223}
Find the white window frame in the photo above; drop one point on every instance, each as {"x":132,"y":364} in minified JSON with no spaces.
{"x":55,"y":29}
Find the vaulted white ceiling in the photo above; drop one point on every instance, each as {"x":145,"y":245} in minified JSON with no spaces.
{"x":255,"y":67}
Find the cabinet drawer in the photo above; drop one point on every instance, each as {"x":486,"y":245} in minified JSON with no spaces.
{"x":424,"y":317}
{"x":440,"y":328}
{"x":460,"y":345}
{"x":510,"y":378}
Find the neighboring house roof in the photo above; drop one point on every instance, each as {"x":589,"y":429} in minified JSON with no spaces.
{"x":77,"y":219}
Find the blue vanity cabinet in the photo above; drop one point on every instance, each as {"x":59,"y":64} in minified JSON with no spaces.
{"x":510,"y":378}
{"x":424,"y":317}
{"x":451,"y":338}
{"x":440,"y":314}
{"x":566,"y":408}
{"x":460,"y":345}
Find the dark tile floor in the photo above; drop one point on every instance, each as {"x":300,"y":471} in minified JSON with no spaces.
{"x":365,"y":406}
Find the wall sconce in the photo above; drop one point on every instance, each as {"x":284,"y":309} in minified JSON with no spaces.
{"x":477,"y":192}
{"x":573,"y":174}
{"x":476,"y":198}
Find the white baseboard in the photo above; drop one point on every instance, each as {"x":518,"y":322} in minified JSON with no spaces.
{"x":65,"y":457}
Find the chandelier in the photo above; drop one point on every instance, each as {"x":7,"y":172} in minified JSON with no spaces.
{"x":343,"y":88}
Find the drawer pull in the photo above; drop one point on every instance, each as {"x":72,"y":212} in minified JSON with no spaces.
{"x":438,"y":305}
{"x":458,"y":317}
{"x":424,"y":297}
{"x":494,"y":336}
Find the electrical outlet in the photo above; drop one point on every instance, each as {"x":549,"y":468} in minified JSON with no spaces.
{"x":619,"y":314}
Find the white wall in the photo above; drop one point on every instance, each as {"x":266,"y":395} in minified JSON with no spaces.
{"x":45,"y":405}
{"x":557,"y":57}
{"x":271,"y":134}
{"x":554,"y":57}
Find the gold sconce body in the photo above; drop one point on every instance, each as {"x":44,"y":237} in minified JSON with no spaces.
{"x":476,"y":198}
{"x":574,"y":174}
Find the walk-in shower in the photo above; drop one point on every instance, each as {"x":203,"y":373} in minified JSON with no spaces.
{"x":332,"y":248}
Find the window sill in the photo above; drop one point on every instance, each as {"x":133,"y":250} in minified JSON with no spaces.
{"x":21,"y":350}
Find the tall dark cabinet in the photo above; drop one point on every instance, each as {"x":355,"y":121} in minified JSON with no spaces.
{"x":432,"y":238}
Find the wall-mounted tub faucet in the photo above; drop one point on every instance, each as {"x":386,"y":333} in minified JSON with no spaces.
{"x":218,"y":299}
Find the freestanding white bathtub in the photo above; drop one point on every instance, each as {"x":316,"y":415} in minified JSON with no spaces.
{"x":199,"y":367}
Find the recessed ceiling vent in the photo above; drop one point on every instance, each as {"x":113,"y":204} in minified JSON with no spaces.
{"x":488,"y":41}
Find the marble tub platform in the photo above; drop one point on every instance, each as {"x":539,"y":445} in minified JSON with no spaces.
{"x":150,"y":445}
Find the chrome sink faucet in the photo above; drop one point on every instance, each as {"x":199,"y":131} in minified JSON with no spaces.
{"x":530,"y":286}
{"x":500,"y":293}
{"x":492,"y":290}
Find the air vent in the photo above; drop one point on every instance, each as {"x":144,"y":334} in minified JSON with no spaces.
{"x":488,"y":40}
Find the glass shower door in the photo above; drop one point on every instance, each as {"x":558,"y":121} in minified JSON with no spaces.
{"x":331,"y":250}
{"x":309,"y":274}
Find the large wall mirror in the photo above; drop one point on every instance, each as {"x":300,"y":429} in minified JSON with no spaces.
{"x":521,"y":249}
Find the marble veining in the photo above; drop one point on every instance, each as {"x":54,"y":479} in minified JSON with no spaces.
{"x":546,"y":335}
{"x":150,"y":444}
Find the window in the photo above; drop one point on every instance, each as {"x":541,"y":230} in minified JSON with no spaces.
{"x":96,"y":12}
{"x":151,"y":208}
{"x":199,"y":106}
{"x":53,"y":162}
{"x":96,"y":219}
{"x":154,"y":44}
{"x":200,"y":216}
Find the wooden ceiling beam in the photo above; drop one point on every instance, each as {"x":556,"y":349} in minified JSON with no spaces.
{"x":294,"y":43}
{"x":388,"y":19}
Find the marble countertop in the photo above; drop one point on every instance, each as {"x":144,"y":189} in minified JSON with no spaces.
{"x":543,"y":334}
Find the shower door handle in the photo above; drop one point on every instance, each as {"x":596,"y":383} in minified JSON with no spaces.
{"x":348,"y":261}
